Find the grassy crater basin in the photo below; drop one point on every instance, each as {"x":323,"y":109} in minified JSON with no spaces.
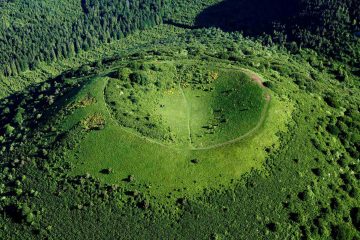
{"x":177,"y":127}
{"x":186,"y":105}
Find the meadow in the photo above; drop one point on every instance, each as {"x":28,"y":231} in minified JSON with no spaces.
{"x":139,"y":138}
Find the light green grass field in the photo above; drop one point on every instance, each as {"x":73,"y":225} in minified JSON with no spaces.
{"x":164,"y":167}
{"x":175,"y":113}
{"x":185,"y":104}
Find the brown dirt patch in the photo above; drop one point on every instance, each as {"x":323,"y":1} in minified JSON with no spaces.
{"x":93,"y":122}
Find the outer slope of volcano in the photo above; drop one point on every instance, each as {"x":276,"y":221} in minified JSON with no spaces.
{"x":184,"y":125}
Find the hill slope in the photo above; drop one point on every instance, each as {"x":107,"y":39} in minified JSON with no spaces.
{"x":182,"y":133}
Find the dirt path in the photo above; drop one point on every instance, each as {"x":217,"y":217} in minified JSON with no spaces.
{"x":124,"y":128}
{"x":188,"y":108}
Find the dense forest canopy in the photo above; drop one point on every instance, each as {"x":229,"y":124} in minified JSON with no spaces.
{"x":324,"y":25}
{"x":43,"y":31}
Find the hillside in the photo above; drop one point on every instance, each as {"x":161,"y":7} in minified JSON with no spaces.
{"x":200,"y":127}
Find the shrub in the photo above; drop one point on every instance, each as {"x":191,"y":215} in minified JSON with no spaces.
{"x":94,"y":122}
{"x":19,"y":116}
{"x":139,"y":78}
{"x":317,"y":171}
{"x":106,"y":171}
{"x":268,"y":84}
{"x":195,"y":161}
{"x":341,"y":232}
{"x":9,"y":129}
{"x":293,"y":216}
{"x":303,"y":196}
{"x":116,"y":74}
{"x":333,"y":129}
{"x":271,"y":226}
{"x":341,"y":75}
{"x":133,"y":98}
{"x":130,"y":178}
{"x":332,"y":101}
{"x":335,"y":204}
{"x":144,"y":204}
{"x":84,"y":70}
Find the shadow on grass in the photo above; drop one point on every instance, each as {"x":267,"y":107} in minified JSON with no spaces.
{"x":253,"y":17}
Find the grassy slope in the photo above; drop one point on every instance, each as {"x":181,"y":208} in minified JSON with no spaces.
{"x":245,"y":210}
{"x":242,"y":107}
{"x":175,"y":114}
{"x":230,"y":96}
{"x":128,"y":154}
{"x":132,"y":43}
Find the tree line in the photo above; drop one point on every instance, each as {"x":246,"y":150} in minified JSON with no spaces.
{"x":31,"y":35}
{"x":328,"y":26}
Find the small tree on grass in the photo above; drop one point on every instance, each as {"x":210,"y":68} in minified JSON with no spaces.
{"x":107,"y":171}
{"x":144,"y":204}
{"x":139,"y":78}
{"x":130,"y":178}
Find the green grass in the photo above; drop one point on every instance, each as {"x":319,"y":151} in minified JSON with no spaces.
{"x":175,"y":113}
{"x":186,"y":103}
{"x":164,"y":167}
{"x":305,"y":169}
{"x":230,"y":111}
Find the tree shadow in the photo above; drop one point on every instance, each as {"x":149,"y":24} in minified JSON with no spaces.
{"x":252,"y":17}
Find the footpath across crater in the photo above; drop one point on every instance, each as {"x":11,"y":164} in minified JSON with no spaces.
{"x":187,"y":105}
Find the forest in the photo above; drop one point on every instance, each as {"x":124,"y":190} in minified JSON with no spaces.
{"x":330,"y":27}
{"x":32,"y":32}
{"x":28,"y":37}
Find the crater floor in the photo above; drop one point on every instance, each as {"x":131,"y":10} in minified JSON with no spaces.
{"x":187,"y":105}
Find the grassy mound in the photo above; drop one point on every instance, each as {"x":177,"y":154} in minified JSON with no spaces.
{"x":172,"y":125}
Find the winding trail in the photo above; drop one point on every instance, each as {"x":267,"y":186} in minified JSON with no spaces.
{"x":252,"y":131}
{"x":125,"y":129}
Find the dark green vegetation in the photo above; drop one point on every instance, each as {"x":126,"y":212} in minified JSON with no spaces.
{"x":80,"y":158}
{"x":32,"y":32}
{"x":330,"y":27}
{"x":171,"y":114}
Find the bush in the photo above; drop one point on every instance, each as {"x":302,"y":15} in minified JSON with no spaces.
{"x":9,"y":129}
{"x":132,"y":98}
{"x":295,"y":217}
{"x":195,"y":160}
{"x":271,"y":226}
{"x":332,"y":101}
{"x":268,"y":84}
{"x":317,"y":171}
{"x":19,"y":116}
{"x":107,"y":171}
{"x":333,"y":129}
{"x":116,"y":74}
{"x":341,"y":232}
{"x":139,"y":78}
